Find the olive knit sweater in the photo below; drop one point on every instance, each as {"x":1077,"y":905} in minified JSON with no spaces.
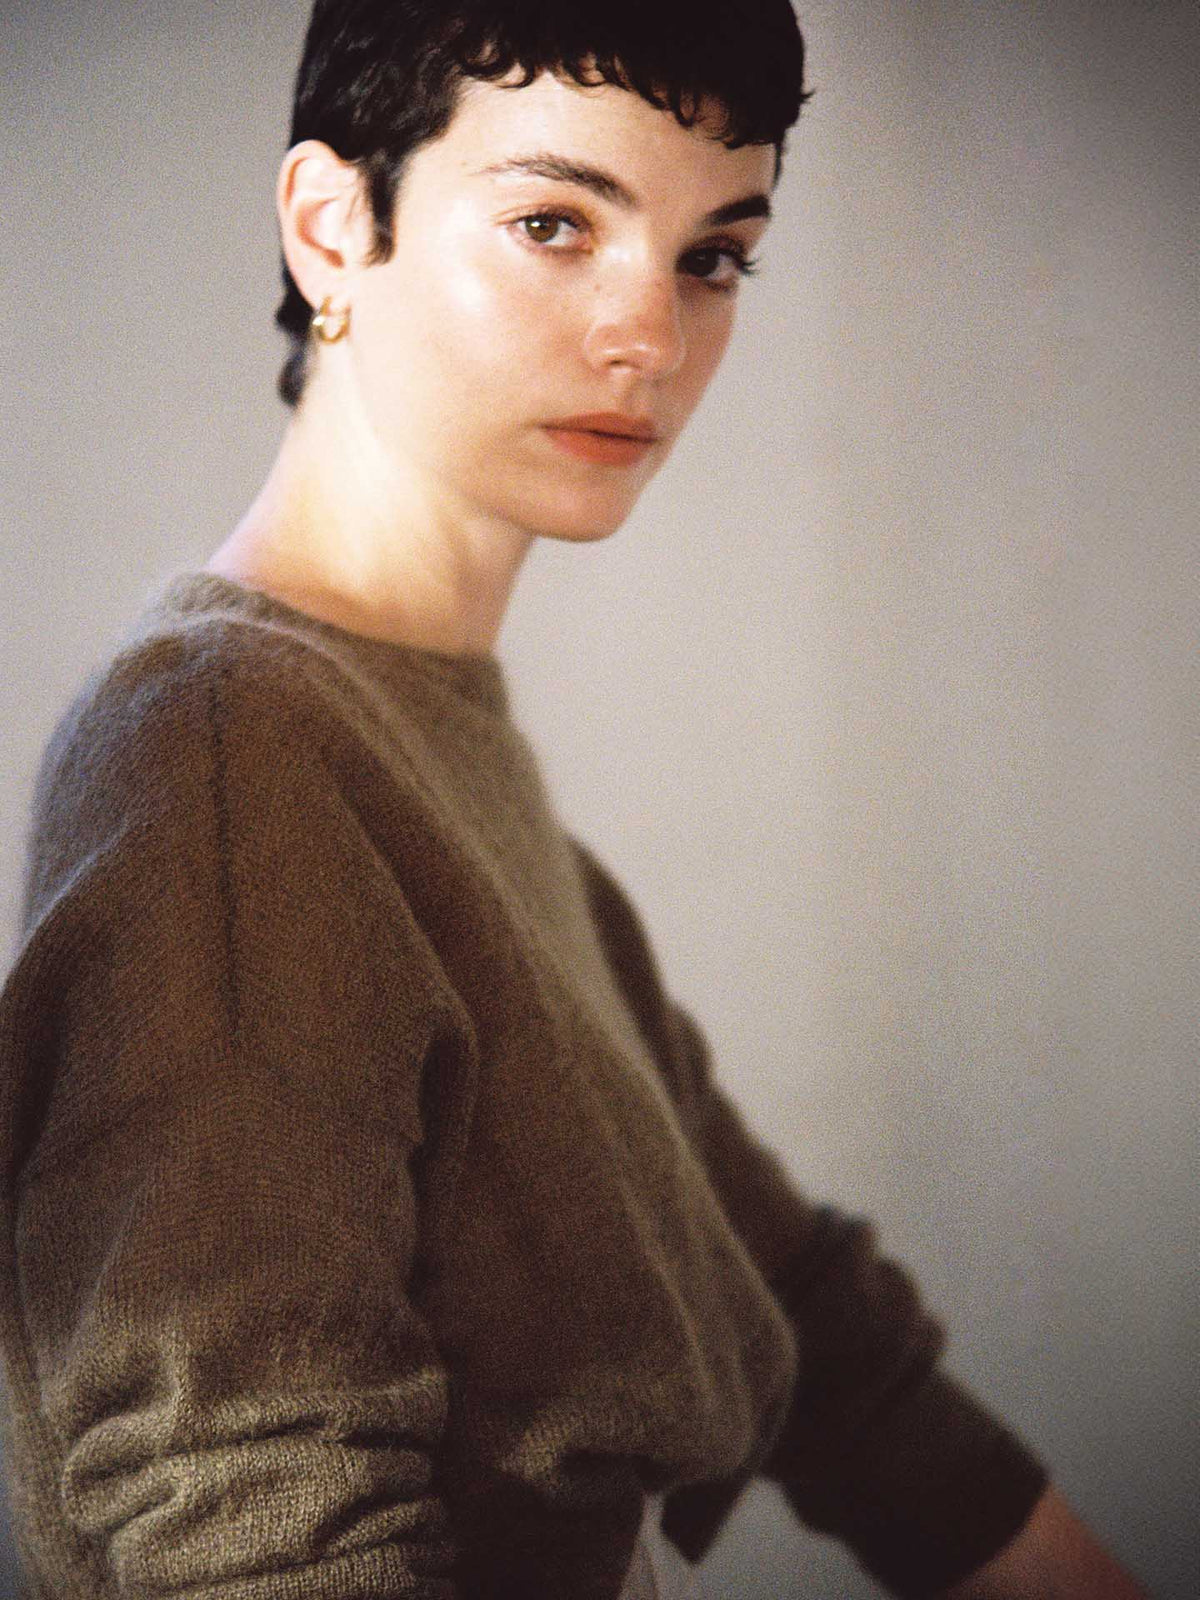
{"x":374,"y":1227}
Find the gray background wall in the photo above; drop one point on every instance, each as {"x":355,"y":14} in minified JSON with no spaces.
{"x":882,"y":703}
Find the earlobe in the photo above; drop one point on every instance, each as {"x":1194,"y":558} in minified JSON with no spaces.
{"x":316,"y":198}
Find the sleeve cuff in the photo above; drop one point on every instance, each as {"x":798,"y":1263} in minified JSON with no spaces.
{"x":928,"y":1494}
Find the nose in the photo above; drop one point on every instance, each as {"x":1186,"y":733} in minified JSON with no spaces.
{"x":637,"y":325}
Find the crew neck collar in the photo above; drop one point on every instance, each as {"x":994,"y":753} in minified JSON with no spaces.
{"x":476,"y":677}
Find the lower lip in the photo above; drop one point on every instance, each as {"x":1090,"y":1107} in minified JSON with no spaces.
{"x":610,"y":449}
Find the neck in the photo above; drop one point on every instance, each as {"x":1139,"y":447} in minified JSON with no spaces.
{"x":342,"y":534}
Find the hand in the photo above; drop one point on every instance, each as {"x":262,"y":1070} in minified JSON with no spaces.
{"x":1054,"y":1557}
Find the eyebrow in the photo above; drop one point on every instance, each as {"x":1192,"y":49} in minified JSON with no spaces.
{"x":607,"y":187}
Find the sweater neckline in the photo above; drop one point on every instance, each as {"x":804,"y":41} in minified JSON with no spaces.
{"x":479,"y":679}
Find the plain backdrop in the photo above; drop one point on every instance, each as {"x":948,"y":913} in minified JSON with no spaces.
{"x":883,"y":702}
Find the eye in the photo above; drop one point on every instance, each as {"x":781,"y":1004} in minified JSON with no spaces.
{"x":553,"y":230}
{"x":719,"y":265}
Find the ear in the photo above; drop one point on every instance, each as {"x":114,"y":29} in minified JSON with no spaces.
{"x":321,"y":221}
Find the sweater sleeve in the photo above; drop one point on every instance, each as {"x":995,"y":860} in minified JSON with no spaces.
{"x":218,"y":1042}
{"x":879,"y":1448}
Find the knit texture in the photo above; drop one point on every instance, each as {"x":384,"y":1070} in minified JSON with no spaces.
{"x":373,"y":1224}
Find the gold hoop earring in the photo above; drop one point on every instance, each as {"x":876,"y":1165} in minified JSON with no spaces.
{"x":329,"y":325}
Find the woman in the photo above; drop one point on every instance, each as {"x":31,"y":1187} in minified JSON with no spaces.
{"x":377,"y":1226}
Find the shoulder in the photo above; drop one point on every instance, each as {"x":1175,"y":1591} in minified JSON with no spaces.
{"x":672,"y":1037}
{"x":144,"y":722}
{"x":191,"y":713}
{"x":618,"y":926}
{"x":174,"y":667}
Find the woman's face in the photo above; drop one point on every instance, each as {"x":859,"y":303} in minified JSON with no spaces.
{"x":564,"y":279}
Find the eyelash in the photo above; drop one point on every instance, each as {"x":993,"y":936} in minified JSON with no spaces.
{"x":744,"y":265}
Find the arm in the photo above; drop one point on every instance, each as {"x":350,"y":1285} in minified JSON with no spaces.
{"x":1054,"y":1557}
{"x":879,"y":1448}
{"x":214,"y":1046}
{"x":888,"y":1453}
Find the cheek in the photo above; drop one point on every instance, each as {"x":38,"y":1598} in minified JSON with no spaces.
{"x":441,"y":332}
{"x":486,"y":316}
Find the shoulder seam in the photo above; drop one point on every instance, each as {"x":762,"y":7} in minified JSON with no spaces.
{"x":219,"y":788}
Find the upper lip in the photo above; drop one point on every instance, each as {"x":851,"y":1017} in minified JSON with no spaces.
{"x":610,"y":422}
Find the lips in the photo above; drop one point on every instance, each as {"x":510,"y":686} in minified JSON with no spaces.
{"x":606,"y":437}
{"x":612,"y":424}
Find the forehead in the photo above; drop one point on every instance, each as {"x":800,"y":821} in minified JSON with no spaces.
{"x":602,"y":124}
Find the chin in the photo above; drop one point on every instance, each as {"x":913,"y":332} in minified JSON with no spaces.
{"x":581,"y":533}
{"x":582,"y":519}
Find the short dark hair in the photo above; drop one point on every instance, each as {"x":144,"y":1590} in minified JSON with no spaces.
{"x":379,"y":78}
